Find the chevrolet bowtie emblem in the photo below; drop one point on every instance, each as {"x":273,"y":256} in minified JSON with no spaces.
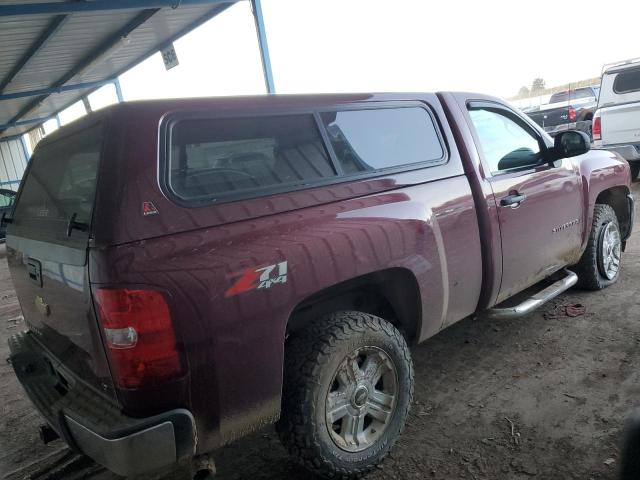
{"x":42,"y":306}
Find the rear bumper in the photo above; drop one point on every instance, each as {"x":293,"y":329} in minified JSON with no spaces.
{"x":92,"y":424}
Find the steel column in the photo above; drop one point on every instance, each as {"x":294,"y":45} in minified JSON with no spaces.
{"x":256,"y":6}
{"x":116,"y":84}
{"x":24,"y":147}
{"x":87,"y":104}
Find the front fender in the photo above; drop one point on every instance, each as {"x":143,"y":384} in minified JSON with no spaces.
{"x":600,"y":170}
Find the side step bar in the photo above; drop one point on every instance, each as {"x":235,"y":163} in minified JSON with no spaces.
{"x":530,"y":304}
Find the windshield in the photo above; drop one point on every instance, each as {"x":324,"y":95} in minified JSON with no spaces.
{"x":60,"y":184}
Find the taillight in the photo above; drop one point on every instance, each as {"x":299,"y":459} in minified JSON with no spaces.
{"x":138,"y":335}
{"x":572,"y":114}
{"x":596,"y":128}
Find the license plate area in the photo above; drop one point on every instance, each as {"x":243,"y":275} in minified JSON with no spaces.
{"x":34,"y":270}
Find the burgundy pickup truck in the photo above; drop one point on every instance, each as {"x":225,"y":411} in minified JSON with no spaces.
{"x":193,"y":270}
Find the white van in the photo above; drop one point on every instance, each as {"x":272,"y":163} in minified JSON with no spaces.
{"x":616,"y":123}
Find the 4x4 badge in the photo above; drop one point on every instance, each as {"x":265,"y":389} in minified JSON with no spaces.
{"x":263,"y":277}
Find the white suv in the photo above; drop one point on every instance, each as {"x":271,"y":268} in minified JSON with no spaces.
{"x":616,"y":123}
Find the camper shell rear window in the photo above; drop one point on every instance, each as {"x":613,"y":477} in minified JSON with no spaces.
{"x":59,"y":187}
{"x":627,"y":81}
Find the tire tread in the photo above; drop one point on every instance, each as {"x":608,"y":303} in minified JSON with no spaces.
{"x":589,"y":277}
{"x":306,"y":353}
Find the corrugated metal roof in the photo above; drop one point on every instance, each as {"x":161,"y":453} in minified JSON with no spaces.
{"x":78,"y":47}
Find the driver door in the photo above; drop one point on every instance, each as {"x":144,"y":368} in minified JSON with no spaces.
{"x":539,"y":204}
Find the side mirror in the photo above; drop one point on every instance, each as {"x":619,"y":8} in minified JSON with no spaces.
{"x":571,"y":144}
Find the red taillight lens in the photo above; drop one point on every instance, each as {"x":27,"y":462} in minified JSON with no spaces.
{"x":596,"y":128}
{"x":139,"y":336}
{"x":572,"y":114}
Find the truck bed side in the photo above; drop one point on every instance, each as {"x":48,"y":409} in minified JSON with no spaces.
{"x":404,"y":233}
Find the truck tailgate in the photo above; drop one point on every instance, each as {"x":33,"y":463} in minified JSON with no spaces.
{"x":47,"y":249}
{"x":621,"y":124}
{"x":551,"y":117}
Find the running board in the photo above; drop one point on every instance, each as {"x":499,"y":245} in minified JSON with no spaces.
{"x":530,"y":304}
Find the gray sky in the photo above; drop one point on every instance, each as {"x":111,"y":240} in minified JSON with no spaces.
{"x":489,"y":46}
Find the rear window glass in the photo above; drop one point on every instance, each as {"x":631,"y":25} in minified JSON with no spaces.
{"x":369,"y":140}
{"x":61,"y":183}
{"x":230,"y":157}
{"x":628,"y":81}
{"x":572,"y":95}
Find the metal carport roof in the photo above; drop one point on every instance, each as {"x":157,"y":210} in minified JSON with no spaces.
{"x":53,"y":53}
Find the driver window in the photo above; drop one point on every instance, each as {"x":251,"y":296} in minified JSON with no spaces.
{"x":506,"y":144}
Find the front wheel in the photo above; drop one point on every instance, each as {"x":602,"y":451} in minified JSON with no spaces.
{"x":348,"y":385}
{"x":599,"y":266}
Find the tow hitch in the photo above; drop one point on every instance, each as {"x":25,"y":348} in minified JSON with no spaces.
{"x":47,"y":434}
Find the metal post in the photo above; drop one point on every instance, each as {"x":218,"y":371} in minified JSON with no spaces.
{"x":87,"y":105}
{"x":256,"y":6}
{"x":116,"y":84}
{"x":25,"y":148}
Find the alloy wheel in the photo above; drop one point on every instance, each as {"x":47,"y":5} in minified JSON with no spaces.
{"x":362,"y":399}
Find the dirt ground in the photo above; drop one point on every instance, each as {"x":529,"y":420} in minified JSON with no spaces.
{"x":541,"y":396}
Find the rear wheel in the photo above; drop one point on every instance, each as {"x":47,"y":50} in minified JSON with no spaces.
{"x":348,"y":384}
{"x":599,"y":266}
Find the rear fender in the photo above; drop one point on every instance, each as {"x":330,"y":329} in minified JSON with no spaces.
{"x":601,"y":171}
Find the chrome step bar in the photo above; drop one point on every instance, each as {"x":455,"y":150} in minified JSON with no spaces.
{"x":531,"y":303}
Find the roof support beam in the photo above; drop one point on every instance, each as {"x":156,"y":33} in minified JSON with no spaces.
{"x":256,"y":6}
{"x":58,"y":8}
{"x":28,"y":121}
{"x":89,"y":59}
{"x":40,"y":42}
{"x":218,"y":7}
{"x":49,"y":91}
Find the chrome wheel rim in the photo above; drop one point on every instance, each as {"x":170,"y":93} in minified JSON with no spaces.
{"x":361,"y":399}
{"x":609,"y":251}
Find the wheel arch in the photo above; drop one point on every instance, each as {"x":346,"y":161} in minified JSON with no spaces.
{"x":392,"y":294}
{"x":616,"y":198}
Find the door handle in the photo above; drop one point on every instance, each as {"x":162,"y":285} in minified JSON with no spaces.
{"x":513,"y":200}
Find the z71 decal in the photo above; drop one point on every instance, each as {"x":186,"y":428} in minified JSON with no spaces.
{"x":263,"y":277}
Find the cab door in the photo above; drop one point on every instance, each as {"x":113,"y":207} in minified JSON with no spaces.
{"x":539,"y":203}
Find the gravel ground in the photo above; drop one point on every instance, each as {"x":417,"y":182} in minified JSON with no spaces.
{"x":538,"y":397}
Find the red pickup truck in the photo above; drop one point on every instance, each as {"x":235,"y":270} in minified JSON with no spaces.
{"x":192,"y":270}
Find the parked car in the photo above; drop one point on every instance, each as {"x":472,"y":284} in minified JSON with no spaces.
{"x":6,"y":203}
{"x":616,"y":124}
{"x":192,"y":270}
{"x":567,"y":110}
